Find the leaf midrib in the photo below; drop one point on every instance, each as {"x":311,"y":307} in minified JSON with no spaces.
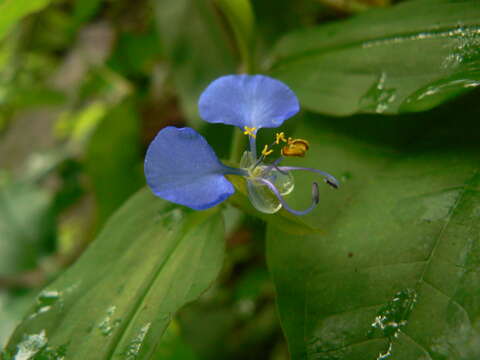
{"x":439,"y":238}
{"x":144,"y":293}
{"x":421,"y":280}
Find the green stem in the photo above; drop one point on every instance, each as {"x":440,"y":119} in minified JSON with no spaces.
{"x":239,"y":14}
{"x":239,"y":142}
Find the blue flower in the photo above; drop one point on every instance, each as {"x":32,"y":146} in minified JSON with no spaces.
{"x":181,"y":167}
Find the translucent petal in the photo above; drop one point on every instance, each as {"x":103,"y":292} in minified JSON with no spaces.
{"x":181,"y":167}
{"x":256,"y":101}
{"x":283,"y":181}
{"x":261,"y":197}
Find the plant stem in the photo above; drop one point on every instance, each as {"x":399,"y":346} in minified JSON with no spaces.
{"x":238,"y":145}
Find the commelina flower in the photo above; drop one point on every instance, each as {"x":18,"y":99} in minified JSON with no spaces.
{"x":180,"y":166}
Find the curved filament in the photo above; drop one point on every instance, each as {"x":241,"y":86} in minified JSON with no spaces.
{"x":329,"y":179}
{"x":315,"y":197}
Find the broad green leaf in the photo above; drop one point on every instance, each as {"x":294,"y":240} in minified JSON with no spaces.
{"x":410,"y":57}
{"x":397,"y":267}
{"x":117,"y":300}
{"x":113,"y":159}
{"x":12,"y":11}
{"x":195,"y":46}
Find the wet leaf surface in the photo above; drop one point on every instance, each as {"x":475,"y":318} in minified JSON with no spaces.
{"x":118,"y":299}
{"x":411,"y":57}
{"x":396,"y":271}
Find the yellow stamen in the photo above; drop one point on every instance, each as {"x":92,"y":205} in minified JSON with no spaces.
{"x":295,"y":147}
{"x":250,"y":131}
{"x":280,"y":137}
{"x":266,"y":151}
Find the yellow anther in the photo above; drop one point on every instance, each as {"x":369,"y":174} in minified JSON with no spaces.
{"x":250,"y":131}
{"x":266,"y":151}
{"x":280,"y":137}
{"x":295,"y":147}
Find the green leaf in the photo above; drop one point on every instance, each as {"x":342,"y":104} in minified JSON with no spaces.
{"x":397,"y":266}
{"x":410,"y":57}
{"x":117,"y":300}
{"x":11,"y":11}
{"x":113,"y":159}
{"x":195,"y":46}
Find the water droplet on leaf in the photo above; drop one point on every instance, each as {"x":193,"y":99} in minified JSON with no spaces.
{"x":108,"y":324}
{"x":392,"y":317}
{"x":45,"y":301}
{"x":378,"y":97}
{"x":30,"y":346}
{"x":135,"y":345}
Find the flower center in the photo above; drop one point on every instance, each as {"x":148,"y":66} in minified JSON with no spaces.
{"x":260,"y":195}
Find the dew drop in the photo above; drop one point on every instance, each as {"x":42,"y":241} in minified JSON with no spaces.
{"x":465,"y":48}
{"x":386,"y":354}
{"x":45,"y":301}
{"x":392,"y":317}
{"x":135,"y":345}
{"x":108,"y":324}
{"x":170,"y":217}
{"x":378,"y":97}
{"x":30,"y":346}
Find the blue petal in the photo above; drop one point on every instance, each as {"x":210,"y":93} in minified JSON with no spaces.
{"x":248,"y":100}
{"x":181,"y":167}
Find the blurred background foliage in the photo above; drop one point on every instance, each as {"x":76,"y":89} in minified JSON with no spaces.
{"x":86,"y":84}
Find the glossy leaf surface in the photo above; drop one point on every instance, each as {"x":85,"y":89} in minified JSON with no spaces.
{"x":408,"y":58}
{"x":118,"y":299}
{"x":395,"y":268}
